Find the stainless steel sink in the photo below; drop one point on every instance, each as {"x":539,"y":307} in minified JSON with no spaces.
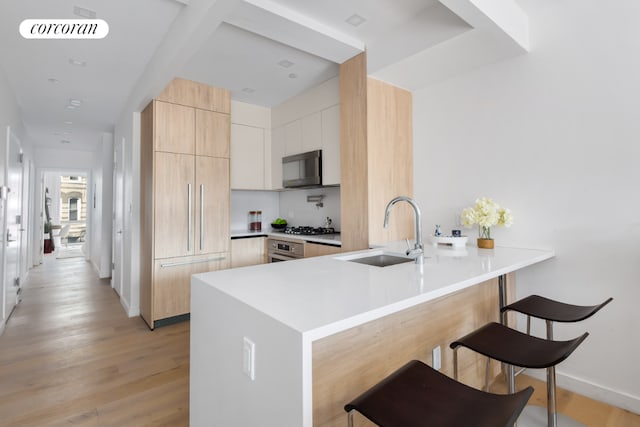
{"x":381,"y":260}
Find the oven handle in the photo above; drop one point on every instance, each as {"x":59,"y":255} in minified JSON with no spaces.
{"x":281,"y":257}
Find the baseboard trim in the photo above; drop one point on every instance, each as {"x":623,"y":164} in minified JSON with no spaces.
{"x":131,"y":312}
{"x":591,"y":390}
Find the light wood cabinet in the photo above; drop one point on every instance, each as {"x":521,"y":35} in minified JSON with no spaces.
{"x":318,"y":249}
{"x":172,"y":291}
{"x":248,"y":251}
{"x":211,"y":228}
{"x":184,"y":202}
{"x":174,"y":128}
{"x":198,"y":95}
{"x":212,"y":132}
{"x":173,"y":207}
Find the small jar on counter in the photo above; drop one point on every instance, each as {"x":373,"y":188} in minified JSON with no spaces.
{"x":255,"y":220}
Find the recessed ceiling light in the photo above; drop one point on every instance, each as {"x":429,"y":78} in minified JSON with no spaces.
{"x":293,"y":76}
{"x":68,"y":123}
{"x":78,"y":62}
{"x":73,"y":104}
{"x":248,"y":90}
{"x":53,"y":81}
{"x":285,"y":63}
{"x":355,"y":20}
{"x":65,"y":141}
{"x":85,"y":13}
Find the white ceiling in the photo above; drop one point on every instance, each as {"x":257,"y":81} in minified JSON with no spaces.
{"x":242,"y":53}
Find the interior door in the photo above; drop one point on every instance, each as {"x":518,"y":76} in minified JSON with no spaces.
{"x":174,"y":207}
{"x":13,"y":220}
{"x":212,"y":205}
{"x":118,"y":217}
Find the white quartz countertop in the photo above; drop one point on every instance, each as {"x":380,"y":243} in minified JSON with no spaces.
{"x":324,"y":295}
{"x":328,"y":239}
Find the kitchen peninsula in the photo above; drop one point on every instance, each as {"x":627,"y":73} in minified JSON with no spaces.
{"x":288,"y":344}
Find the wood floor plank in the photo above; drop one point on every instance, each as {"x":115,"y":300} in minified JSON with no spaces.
{"x":70,"y":356}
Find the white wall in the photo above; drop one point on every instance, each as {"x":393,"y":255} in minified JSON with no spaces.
{"x":553,"y":135}
{"x":244,"y":201}
{"x":128,"y":127}
{"x":10,"y":115}
{"x":100,"y":206}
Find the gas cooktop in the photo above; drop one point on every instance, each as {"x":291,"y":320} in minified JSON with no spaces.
{"x":309,"y":231}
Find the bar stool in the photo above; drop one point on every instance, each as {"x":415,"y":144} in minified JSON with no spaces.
{"x":416,"y":395}
{"x":515,"y":348}
{"x":552,"y":311}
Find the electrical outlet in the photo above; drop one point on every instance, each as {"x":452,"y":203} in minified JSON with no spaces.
{"x":435,"y":358}
{"x":249,"y":358}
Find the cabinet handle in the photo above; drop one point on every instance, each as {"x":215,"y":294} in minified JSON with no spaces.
{"x":189,"y":202}
{"x":201,"y":215}
{"x":197,"y":261}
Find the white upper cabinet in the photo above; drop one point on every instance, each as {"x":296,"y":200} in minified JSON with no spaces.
{"x":277,"y":153}
{"x":250,"y":147}
{"x":331,"y":146}
{"x":247,"y":157}
{"x":311,"y":132}
{"x":293,"y":138}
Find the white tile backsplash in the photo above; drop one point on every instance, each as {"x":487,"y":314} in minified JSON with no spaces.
{"x":291,"y":205}
{"x":297,"y":211}
{"x":244,"y":201}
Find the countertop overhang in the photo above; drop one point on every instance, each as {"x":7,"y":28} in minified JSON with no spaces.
{"x":324,"y":295}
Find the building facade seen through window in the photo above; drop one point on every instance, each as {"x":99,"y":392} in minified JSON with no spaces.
{"x":73,"y":206}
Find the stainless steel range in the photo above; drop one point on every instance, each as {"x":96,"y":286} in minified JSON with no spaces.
{"x":284,"y":250}
{"x":309,"y":231}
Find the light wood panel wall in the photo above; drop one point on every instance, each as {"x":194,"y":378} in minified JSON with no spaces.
{"x":376,"y":139}
{"x":353,"y":154}
{"x":348,"y":363}
{"x":146,"y":211}
{"x":390,"y":160}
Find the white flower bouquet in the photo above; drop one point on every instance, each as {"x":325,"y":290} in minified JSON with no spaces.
{"x":486,"y":213}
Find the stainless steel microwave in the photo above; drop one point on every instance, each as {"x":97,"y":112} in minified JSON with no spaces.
{"x":302,"y":170}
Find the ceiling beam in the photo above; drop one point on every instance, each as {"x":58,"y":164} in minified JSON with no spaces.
{"x":276,"y":22}
{"x":503,"y":18}
{"x":500,"y":31}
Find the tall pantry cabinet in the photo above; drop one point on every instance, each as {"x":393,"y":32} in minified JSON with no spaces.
{"x":185,"y":192}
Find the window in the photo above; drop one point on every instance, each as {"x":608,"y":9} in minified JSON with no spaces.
{"x":74,"y":209}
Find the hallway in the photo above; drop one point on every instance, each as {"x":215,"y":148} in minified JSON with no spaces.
{"x":70,"y":356}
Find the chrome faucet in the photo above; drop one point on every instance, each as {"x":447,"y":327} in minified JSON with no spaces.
{"x":417,"y":250}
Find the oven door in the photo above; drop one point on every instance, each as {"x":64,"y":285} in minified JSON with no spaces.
{"x":274,"y":257}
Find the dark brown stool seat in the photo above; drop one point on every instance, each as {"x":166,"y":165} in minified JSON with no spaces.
{"x":552,"y":311}
{"x":515,"y":348}
{"x":416,"y":395}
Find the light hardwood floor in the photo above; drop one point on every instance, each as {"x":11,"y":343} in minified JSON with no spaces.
{"x":70,"y":356}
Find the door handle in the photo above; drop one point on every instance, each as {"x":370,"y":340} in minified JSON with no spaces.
{"x":190,"y":213}
{"x":201,"y":215}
